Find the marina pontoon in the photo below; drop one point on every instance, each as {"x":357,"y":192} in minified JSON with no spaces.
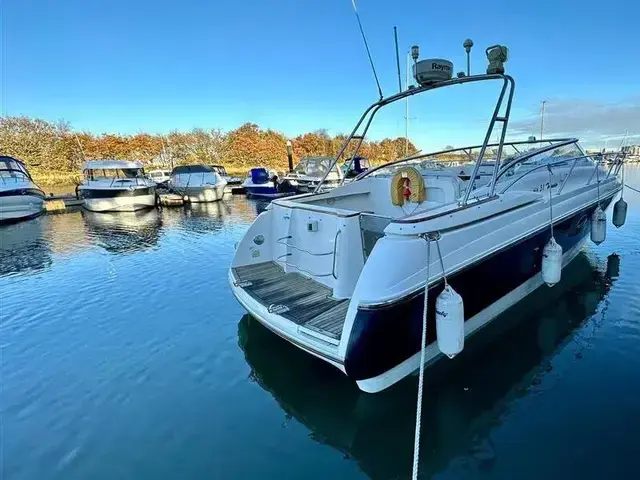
{"x":353,"y":275}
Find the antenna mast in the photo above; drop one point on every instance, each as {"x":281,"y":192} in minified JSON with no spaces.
{"x":366,"y":45}
{"x":80,"y":145}
{"x":395,"y":35}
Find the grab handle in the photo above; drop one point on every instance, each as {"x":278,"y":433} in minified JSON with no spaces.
{"x":335,"y":247}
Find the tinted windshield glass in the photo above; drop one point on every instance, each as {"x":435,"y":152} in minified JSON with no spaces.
{"x":191,"y":169}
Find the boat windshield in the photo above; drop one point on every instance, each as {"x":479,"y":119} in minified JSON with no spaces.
{"x":186,"y":169}
{"x":314,"y":166}
{"x":114,"y":173}
{"x":12,"y":168}
{"x":571,"y":152}
{"x":219,"y":169}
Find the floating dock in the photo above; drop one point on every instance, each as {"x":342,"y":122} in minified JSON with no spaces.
{"x":170,"y":199}
{"x":62,"y":203}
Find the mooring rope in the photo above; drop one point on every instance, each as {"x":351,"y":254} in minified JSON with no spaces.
{"x":416,"y":443}
{"x":634,"y":189}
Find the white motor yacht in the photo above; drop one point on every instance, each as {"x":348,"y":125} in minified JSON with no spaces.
{"x":20,"y":197}
{"x":354,"y":275}
{"x":116,"y":186}
{"x":197,"y":183}
{"x":314,"y":171}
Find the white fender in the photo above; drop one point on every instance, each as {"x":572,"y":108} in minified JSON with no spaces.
{"x":551,"y":262}
{"x":598,"y":226}
{"x":450,"y":322}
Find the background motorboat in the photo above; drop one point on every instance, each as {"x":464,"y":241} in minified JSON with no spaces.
{"x":351,"y":275}
{"x":160,"y":177}
{"x":222,"y":171}
{"x":20,"y":197}
{"x":116,"y":186}
{"x":313,"y":171}
{"x":260,"y":183}
{"x":197,"y":183}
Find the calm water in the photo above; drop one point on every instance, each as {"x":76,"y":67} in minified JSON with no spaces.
{"x":124,"y":355}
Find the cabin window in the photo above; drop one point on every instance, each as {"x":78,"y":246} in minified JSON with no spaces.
{"x":114,"y":173}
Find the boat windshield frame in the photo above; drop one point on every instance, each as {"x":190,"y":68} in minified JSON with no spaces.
{"x":89,"y":174}
{"x":199,"y":169}
{"x":332,"y":166}
{"x":20,"y":168}
{"x":508,"y":84}
{"x":552,"y":144}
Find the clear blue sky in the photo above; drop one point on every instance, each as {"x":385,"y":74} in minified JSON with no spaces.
{"x":300,"y":65}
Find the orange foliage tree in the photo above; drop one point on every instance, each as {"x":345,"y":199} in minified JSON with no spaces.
{"x":55,"y":147}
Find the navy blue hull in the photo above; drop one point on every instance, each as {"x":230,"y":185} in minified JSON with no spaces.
{"x":384,"y":337}
{"x":11,"y":221}
{"x":264,"y":191}
{"x":260,"y":190}
{"x":89,"y":193}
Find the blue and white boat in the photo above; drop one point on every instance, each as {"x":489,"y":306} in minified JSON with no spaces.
{"x":370,"y":276}
{"x":261,"y":183}
{"x":20,"y":197}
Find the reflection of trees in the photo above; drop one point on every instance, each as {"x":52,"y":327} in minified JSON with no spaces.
{"x":23,"y":248}
{"x":66,"y":233}
{"x":124,"y":232}
{"x":464,"y":398}
{"x":213,"y":216}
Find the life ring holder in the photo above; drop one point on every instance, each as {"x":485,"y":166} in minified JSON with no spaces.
{"x":407,"y":185}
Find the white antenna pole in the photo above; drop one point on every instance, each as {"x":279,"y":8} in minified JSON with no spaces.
{"x":366,"y":46}
{"x":406,"y":111}
{"x":80,"y":145}
{"x":468,"y":43}
{"x":395,"y":35}
{"x":542,"y":118}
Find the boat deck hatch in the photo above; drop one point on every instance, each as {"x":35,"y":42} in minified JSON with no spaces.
{"x":293,"y":296}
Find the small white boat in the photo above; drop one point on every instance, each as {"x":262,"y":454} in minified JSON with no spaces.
{"x":20,"y":198}
{"x":197,"y":183}
{"x":160,"y":177}
{"x":116,"y":186}
{"x":261,"y":183}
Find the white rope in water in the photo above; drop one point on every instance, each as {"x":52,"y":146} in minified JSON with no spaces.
{"x":550,"y":200}
{"x":634,"y":189}
{"x":416,"y":443}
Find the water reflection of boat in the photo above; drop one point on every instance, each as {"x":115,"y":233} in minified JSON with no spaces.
{"x":23,"y":248}
{"x":377,"y":431}
{"x":123,"y":232}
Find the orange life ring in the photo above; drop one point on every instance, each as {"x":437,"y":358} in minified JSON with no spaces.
{"x":407,"y":185}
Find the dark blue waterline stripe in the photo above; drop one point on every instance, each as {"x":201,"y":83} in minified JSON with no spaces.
{"x":384,"y":337}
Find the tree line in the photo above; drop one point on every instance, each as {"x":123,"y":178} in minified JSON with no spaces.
{"x":55,"y":147}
